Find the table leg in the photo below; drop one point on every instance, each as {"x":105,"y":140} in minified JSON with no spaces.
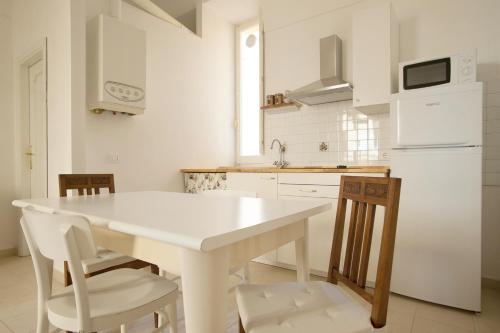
{"x":205,"y":283}
{"x":302,"y":254}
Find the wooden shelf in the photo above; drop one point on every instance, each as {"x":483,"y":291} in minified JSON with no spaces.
{"x":282,"y":105}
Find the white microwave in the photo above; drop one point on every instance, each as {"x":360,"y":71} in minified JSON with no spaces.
{"x":450,"y":70}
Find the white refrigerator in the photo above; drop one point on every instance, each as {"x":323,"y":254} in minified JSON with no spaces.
{"x":436,"y":139}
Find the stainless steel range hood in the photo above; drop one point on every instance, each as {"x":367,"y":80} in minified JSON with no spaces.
{"x":330,"y":87}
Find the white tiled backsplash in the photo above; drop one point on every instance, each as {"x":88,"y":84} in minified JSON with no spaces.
{"x":353,"y":138}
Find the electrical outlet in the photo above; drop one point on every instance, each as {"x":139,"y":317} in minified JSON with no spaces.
{"x":323,"y":146}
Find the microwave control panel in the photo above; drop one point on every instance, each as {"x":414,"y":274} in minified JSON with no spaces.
{"x":467,"y":67}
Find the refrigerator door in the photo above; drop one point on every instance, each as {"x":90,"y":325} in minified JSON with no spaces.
{"x":443,"y":116}
{"x":438,"y":245}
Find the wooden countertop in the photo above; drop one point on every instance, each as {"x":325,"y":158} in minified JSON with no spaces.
{"x":293,"y":169}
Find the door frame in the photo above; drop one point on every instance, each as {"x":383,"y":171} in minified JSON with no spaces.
{"x":22,"y":129}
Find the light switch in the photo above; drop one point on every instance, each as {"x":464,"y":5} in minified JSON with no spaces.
{"x":113,"y":158}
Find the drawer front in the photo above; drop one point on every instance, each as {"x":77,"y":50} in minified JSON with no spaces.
{"x":309,"y":178}
{"x":312,"y":191}
{"x":319,"y":178}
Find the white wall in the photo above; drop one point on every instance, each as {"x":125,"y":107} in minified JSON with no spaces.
{"x":78,"y":84}
{"x":8,"y":217}
{"x":189,"y":117}
{"x":427,"y":28}
{"x":190,"y":107}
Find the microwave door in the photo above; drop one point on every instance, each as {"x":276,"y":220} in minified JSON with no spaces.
{"x":427,"y":74}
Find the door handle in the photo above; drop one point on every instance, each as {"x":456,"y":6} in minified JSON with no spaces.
{"x":432,"y":104}
{"x":30,"y":153}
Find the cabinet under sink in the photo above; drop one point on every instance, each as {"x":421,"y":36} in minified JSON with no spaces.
{"x":304,"y":186}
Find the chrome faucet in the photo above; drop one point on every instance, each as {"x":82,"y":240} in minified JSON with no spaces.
{"x":282,"y":162}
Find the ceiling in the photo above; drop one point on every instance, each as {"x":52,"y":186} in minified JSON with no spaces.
{"x":176,"y":7}
{"x":235,"y":11}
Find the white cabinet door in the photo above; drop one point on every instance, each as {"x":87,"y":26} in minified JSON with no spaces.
{"x":295,"y":186}
{"x":321,"y":228}
{"x":437,"y":257}
{"x":445,"y":116}
{"x":375,"y":57}
{"x":320,"y":239}
{"x":265,"y":185}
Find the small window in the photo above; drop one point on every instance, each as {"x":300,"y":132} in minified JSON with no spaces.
{"x":249,"y":91}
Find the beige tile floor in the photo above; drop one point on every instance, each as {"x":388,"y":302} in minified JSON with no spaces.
{"x":18,"y":305}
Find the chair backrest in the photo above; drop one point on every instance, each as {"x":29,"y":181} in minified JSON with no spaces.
{"x":60,"y":237}
{"x":85,"y":183}
{"x":229,"y":193}
{"x":366,"y":193}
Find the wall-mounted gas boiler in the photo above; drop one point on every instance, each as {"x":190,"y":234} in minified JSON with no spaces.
{"x":116,"y":66}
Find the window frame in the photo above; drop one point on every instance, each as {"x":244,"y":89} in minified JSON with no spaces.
{"x":255,"y":159}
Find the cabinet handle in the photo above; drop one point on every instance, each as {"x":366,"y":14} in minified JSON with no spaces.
{"x":270,"y":178}
{"x":432,"y":104}
{"x":309,"y":191}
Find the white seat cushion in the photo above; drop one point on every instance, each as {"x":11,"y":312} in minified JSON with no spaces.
{"x":104,"y":259}
{"x":120,"y":291}
{"x":318,"y":307}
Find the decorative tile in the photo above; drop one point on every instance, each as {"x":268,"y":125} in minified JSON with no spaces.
{"x":197,"y":182}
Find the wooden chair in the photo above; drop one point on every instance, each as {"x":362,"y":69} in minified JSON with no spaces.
{"x":323,"y":307}
{"x":105,"y":260}
{"x":106,"y":301}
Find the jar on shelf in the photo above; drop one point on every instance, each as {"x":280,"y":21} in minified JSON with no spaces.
{"x":278,"y":99}
{"x":270,"y":99}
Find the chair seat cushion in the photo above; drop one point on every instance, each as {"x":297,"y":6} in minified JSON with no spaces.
{"x":318,"y":307}
{"x":115,"y":292}
{"x":104,"y":259}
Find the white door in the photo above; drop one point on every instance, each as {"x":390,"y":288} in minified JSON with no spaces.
{"x":437,"y":256}
{"x":36,"y":152}
{"x":446,"y":116}
{"x":33,"y":129}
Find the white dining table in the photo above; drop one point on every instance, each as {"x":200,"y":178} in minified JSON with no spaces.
{"x":199,"y":237}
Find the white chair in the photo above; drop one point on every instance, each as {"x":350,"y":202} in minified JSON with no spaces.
{"x":108,"y":300}
{"x":105,"y":260}
{"x":241,"y":273}
{"x":323,"y":307}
